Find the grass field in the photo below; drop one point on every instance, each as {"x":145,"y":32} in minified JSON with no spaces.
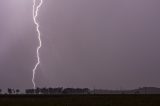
{"x":80,"y":100}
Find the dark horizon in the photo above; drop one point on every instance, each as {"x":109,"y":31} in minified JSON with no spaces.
{"x":77,"y":91}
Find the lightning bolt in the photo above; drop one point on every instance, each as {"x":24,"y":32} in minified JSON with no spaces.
{"x":35,"y":14}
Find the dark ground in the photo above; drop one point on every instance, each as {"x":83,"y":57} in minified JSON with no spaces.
{"x":79,"y":100}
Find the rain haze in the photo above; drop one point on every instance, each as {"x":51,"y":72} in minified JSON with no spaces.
{"x":107,"y":44}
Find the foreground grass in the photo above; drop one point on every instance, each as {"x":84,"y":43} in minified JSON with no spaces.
{"x":79,"y":100}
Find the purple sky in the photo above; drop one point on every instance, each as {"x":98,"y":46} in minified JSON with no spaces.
{"x":86,"y":43}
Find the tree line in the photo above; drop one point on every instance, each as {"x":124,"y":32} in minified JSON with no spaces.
{"x":59,"y":90}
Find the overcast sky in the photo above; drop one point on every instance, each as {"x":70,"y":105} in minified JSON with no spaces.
{"x":86,"y":43}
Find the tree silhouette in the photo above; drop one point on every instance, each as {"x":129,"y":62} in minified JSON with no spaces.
{"x":10,"y":91}
{"x":29,"y":91}
{"x":55,"y":90}
{"x":17,"y":91}
{"x":59,"y":90}
{"x":44,"y":91}
{"x":37,"y":91}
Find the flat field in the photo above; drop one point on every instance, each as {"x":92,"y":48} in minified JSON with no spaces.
{"x":79,"y":100}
